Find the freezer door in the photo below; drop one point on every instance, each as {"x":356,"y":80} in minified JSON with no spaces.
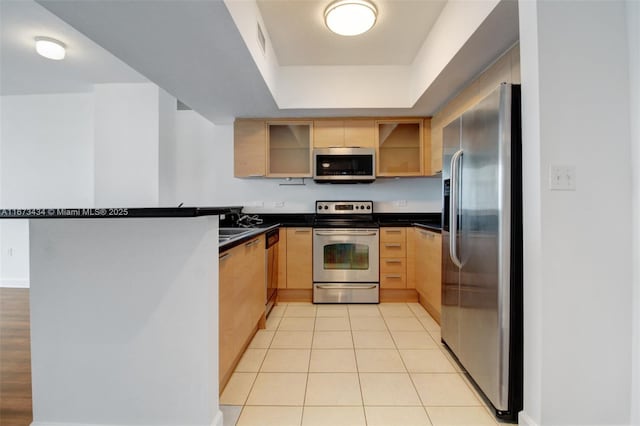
{"x":450,"y":272}
{"x":484,"y":240}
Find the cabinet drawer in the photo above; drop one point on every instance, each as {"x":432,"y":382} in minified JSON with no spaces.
{"x":393,"y":280}
{"x":393,"y":249}
{"x":393,"y":235}
{"x":392,"y":265}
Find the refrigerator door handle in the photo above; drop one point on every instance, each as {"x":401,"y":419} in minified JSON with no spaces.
{"x":453,"y":208}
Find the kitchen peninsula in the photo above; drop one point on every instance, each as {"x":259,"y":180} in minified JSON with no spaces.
{"x":124,"y":315}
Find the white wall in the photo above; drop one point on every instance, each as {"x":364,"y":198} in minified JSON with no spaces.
{"x":14,"y":253}
{"x":47,"y":150}
{"x":116,"y":145}
{"x":578,"y":264}
{"x":167,"y":149}
{"x":205,"y":177}
{"x":46,"y":146}
{"x":127,"y":150}
{"x":633,"y":23}
{"x":124,"y":321}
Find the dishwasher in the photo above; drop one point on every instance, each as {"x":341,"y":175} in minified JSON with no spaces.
{"x":271,"y":282}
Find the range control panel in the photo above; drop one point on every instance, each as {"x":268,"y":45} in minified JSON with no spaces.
{"x":344,"y":207}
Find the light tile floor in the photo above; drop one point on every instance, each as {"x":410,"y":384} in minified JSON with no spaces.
{"x":351,"y":365}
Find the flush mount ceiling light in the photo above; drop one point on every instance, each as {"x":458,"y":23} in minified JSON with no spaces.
{"x":50,"y":48}
{"x":350,"y":17}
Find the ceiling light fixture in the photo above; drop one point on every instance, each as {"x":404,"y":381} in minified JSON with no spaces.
{"x":50,"y":48}
{"x":350,"y":17}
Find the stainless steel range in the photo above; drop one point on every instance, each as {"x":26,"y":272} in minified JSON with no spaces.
{"x":345,"y":253}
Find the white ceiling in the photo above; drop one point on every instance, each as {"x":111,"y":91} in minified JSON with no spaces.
{"x":199,"y":52}
{"x":22,"y":71}
{"x":300,"y":37}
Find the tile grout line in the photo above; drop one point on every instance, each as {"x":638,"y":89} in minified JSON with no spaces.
{"x":397,"y":349}
{"x":244,"y":405}
{"x":353,"y":343}
{"x":306,"y":386}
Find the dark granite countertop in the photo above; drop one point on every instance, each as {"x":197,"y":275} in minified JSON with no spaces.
{"x":431,"y":221}
{"x":115,"y":212}
{"x":429,"y":227}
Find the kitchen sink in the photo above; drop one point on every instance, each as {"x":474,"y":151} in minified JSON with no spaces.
{"x":227,"y":235}
{"x":233,"y":232}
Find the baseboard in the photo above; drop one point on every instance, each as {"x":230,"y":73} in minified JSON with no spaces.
{"x":435,"y":314}
{"x":14,"y":283}
{"x":398,"y":295}
{"x":525,"y":420}
{"x":286,"y":295}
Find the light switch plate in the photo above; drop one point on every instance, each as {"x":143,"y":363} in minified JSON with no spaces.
{"x":562,"y":178}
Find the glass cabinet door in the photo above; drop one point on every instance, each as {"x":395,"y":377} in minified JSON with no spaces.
{"x":289,"y":149}
{"x":399,"y":145}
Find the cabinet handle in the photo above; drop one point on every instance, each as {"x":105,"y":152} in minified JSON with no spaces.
{"x":252,"y":243}
{"x":393,"y":276}
{"x":393,"y":260}
{"x":393,"y":231}
{"x":302,"y":231}
{"x":257,"y":175}
{"x":396,"y":245}
{"x":224,"y":256}
{"x":354,"y":233}
{"x":346,"y":287}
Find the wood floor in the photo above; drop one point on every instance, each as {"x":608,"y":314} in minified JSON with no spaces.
{"x":15,"y":358}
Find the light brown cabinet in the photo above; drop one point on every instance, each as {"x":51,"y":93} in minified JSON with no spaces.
{"x":411,"y":258}
{"x":504,"y":69}
{"x":299,"y":258}
{"x":242,"y":295}
{"x":399,"y":147}
{"x":432,"y":151}
{"x":428,"y":248}
{"x":249,"y":148}
{"x":393,"y":257}
{"x":284,"y":148}
{"x":282,"y":258}
{"x":289,"y":148}
{"x":273,"y":148}
{"x":343,"y":133}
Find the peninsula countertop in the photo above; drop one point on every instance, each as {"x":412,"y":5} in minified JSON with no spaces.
{"x":115,"y":212}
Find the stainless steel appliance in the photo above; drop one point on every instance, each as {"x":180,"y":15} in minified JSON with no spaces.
{"x":271,"y":245}
{"x":482,"y":247}
{"x":345,"y":253}
{"x":344,"y":165}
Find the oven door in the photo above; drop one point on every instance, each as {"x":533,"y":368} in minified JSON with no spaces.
{"x":345,"y":255}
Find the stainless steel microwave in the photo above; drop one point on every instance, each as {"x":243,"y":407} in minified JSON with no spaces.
{"x":344,"y":165}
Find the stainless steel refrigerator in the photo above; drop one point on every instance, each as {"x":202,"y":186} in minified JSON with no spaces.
{"x":481,"y":320}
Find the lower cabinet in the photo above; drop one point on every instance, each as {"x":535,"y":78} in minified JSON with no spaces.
{"x":242,"y":295}
{"x":393,"y":258}
{"x":428,"y":248}
{"x":299,"y":258}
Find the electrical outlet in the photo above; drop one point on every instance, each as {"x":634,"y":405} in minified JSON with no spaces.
{"x":256,"y":204}
{"x":278,"y":204}
{"x":562,"y":178}
{"x":400,"y":203}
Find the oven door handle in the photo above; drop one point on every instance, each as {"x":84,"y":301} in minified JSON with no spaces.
{"x":346,"y":286}
{"x":345,"y":234}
